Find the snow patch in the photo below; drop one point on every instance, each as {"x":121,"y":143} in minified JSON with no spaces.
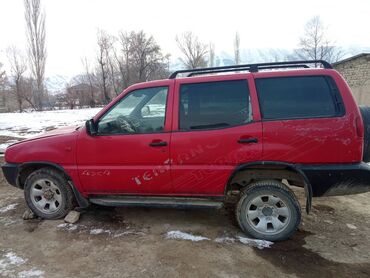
{"x":351,"y":226}
{"x":260,"y":244}
{"x":69,"y":227}
{"x":8,"y":208}
{"x":26,"y":125}
{"x":33,"y":272}
{"x":127,"y":233}
{"x":99,"y":231}
{"x":10,"y":261}
{"x":7,"y":263}
{"x":184,"y":236}
{"x":14,"y":259}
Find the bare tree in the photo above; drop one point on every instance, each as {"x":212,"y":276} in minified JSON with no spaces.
{"x":211,"y":60}
{"x":104,"y":46}
{"x":140,"y":58}
{"x":35,"y":29}
{"x":2,"y":76}
{"x":315,"y":45}
{"x":193,"y":50}
{"x":90,"y":80}
{"x":113,"y":73}
{"x":28,"y":91}
{"x":123,"y":60}
{"x":237,"y":49}
{"x":71,"y":97}
{"x":2,"y":85}
{"x":18,"y":68}
{"x":147,"y":58}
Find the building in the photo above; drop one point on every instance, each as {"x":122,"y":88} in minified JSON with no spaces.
{"x":356,"y":71}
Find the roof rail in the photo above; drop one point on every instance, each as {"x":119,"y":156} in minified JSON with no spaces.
{"x":253,"y":67}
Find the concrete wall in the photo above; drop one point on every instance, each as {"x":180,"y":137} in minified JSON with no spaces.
{"x":357,"y":74}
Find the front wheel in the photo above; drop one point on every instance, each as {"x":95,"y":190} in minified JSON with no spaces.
{"x":268,"y":210}
{"x":48,"y":194}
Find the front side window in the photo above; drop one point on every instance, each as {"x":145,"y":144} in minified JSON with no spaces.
{"x":141,"y":111}
{"x":298,"y":97}
{"x":213,"y":105}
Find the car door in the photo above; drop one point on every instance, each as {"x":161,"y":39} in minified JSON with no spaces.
{"x":130,"y":152}
{"x":216,"y":126}
{"x":304,"y":119}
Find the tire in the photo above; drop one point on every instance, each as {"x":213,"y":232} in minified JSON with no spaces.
{"x":365,"y":113}
{"x":268,"y":210}
{"x":48,"y":194}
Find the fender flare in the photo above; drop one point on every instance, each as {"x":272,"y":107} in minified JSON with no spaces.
{"x":292,"y":167}
{"x":81,"y":200}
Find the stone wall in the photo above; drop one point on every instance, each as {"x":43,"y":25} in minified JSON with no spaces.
{"x":357,"y":74}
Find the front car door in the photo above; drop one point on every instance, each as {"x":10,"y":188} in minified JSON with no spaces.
{"x":130,"y":153}
{"x":216,"y":126}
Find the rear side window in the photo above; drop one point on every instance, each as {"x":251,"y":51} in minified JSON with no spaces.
{"x":213,"y":105}
{"x":298,"y":97}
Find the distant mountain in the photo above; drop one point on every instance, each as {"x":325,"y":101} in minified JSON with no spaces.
{"x":56,"y":84}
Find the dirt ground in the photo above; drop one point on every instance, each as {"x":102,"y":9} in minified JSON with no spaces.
{"x":333,"y":241}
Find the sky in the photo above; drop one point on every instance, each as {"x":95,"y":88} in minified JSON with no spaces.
{"x":71,"y":25}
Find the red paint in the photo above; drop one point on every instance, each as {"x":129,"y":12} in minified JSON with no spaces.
{"x":196,"y":162}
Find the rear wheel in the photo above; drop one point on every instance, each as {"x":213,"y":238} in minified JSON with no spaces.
{"x":268,"y":210}
{"x":48,"y":194}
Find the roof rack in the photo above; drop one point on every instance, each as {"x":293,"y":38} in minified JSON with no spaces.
{"x":253,"y":67}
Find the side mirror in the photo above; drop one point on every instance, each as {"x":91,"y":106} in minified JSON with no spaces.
{"x":91,"y":127}
{"x":145,"y":111}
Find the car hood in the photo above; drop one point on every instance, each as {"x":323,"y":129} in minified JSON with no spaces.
{"x":56,"y":146}
{"x":55,"y":132}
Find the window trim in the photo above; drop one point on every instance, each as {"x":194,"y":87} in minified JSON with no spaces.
{"x":216,"y":128}
{"x":121,"y":99}
{"x":336,"y":96}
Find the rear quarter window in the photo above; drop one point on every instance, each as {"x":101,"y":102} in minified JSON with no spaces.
{"x":298,"y":97}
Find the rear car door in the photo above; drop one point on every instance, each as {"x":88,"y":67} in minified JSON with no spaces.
{"x":216,"y":126}
{"x":304,"y":118}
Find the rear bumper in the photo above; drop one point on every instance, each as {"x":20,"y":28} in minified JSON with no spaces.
{"x":337,"y":179}
{"x":11,"y":173}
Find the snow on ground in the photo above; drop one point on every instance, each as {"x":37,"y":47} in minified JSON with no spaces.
{"x":99,"y":231}
{"x":114,"y":233}
{"x":10,"y":263}
{"x":33,"y":272}
{"x":184,"y":236}
{"x":260,"y":244}
{"x":351,"y":226}
{"x":26,"y":125}
{"x":8,"y":208}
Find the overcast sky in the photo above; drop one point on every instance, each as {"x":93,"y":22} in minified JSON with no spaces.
{"x":71,"y":25}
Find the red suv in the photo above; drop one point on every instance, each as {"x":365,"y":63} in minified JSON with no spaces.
{"x":208,"y":139}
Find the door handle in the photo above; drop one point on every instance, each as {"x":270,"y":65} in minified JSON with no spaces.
{"x":247,"y":140}
{"x":158,"y":144}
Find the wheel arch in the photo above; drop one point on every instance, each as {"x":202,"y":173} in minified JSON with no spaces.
{"x":266,"y":170}
{"x":25,"y":169}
